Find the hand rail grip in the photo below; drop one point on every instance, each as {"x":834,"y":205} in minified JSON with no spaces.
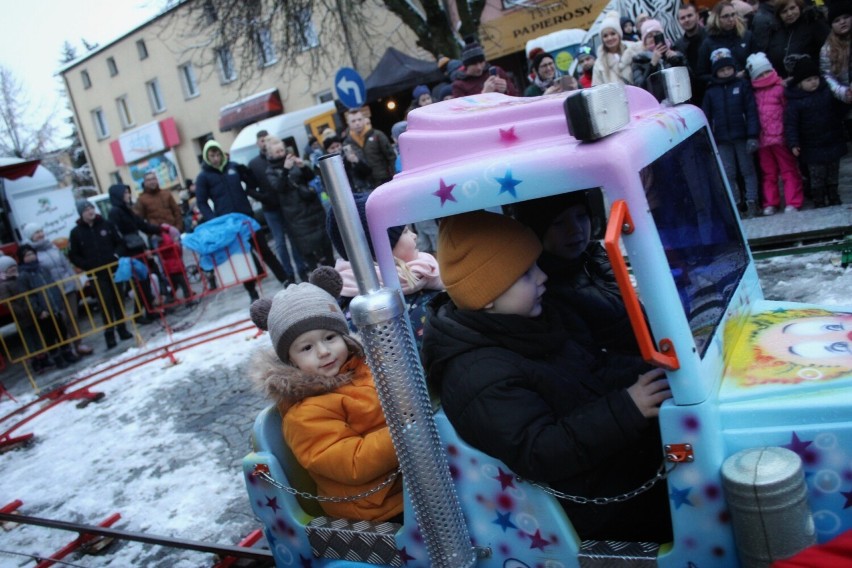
{"x":621,"y":222}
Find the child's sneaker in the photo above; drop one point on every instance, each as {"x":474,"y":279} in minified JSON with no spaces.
{"x":768,"y":210}
{"x":790,"y":209}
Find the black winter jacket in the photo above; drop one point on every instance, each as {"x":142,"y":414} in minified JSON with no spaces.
{"x":225,"y":188}
{"x":741,"y":48}
{"x":301,"y":208}
{"x":95,"y":245}
{"x":266,"y":193}
{"x":643,"y":68}
{"x":586,"y":288}
{"x":126,"y":221}
{"x":813,"y":122}
{"x":804,"y":37}
{"x":521,"y":390}
{"x":731,"y":110}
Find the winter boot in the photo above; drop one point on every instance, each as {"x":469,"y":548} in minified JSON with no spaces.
{"x":124,"y":334}
{"x":69,"y":357}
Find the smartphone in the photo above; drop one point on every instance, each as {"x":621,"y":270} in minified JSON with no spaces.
{"x":492,"y":71}
{"x":659,"y":38}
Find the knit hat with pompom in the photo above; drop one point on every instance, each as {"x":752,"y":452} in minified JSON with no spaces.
{"x":300,"y":308}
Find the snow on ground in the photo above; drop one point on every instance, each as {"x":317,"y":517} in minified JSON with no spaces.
{"x":158,"y":447}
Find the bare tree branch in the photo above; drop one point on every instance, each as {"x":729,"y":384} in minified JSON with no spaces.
{"x":18,"y":136}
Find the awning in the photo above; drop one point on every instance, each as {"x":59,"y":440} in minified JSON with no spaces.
{"x":397,"y":71}
{"x":19,"y":169}
{"x":251,"y":109}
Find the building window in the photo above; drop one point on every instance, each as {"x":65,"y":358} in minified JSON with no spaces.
{"x":325,"y":96}
{"x":99,"y":119}
{"x":225,"y":62}
{"x":210,"y":14}
{"x":115,"y":177}
{"x":188,"y":80}
{"x":87,"y":81}
{"x":301,"y":26}
{"x":142,"y":49}
{"x":124,"y":112}
{"x":266,"y":46}
{"x":155,"y":95}
{"x":113,"y":68}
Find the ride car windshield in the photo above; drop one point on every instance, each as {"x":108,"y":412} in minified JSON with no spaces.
{"x":699,"y":231}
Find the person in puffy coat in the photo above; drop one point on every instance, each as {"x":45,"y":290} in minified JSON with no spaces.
{"x":581,"y":285}
{"x":813,"y":128}
{"x":725,"y":29}
{"x":774,"y":157}
{"x":800,"y":30}
{"x":331,"y":416}
{"x":517,"y":386}
{"x":300,"y":205}
{"x":732,"y":115}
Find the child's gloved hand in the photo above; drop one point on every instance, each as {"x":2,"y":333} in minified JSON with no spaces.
{"x":751,"y":145}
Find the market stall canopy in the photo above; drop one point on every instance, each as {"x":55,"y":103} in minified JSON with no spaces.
{"x":14,"y":168}
{"x":397,"y":71}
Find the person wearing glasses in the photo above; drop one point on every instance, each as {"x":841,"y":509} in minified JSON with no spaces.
{"x":725,"y":29}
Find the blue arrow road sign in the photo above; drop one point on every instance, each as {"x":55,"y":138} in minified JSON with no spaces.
{"x":350,"y":88}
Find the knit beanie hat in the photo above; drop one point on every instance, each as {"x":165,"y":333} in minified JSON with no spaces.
{"x":721,"y":57}
{"x":539,"y":59}
{"x":337,"y":239}
{"x":650,"y":26}
{"x":472,"y":52}
{"x":419,"y":91}
{"x":626,"y":20}
{"x":804,"y":67}
{"x":83,"y":204}
{"x":612,"y":21}
{"x":839,"y":8}
{"x":757,"y":63}
{"x":295,"y":310}
{"x":444,"y":92}
{"x":30,"y":229}
{"x":539,"y":214}
{"x":584,"y":51}
{"x":6,"y":262}
{"x":481,"y":255}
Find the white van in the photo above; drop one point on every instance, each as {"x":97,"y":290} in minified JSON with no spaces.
{"x":292,"y":127}
{"x":35,"y":198}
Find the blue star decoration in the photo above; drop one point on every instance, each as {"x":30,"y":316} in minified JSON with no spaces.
{"x":404,"y":555}
{"x":272,"y":503}
{"x":508,"y":135}
{"x":797,"y":445}
{"x":680,"y":496}
{"x":537,"y":541}
{"x":506,"y":479}
{"x":445,"y":192}
{"x":507,"y":184}
{"x":847,"y":494}
{"x":503,"y":521}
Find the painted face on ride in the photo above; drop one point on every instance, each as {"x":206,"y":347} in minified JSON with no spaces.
{"x":546,"y":69}
{"x":842,"y":24}
{"x":319,"y":352}
{"x":812,"y":341}
{"x":727,"y":19}
{"x":610,"y":39}
{"x":406,"y":247}
{"x":523,"y":298}
{"x":789,"y":13}
{"x":688,"y":19}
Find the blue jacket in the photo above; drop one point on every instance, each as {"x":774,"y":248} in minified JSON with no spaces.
{"x":731,"y":110}
{"x":814,"y":124}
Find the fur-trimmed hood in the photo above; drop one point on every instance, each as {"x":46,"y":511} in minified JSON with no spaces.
{"x":286,"y":385}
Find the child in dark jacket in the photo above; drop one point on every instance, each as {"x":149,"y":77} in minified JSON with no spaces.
{"x":813,"y":126}
{"x":324,"y":390}
{"x":732,"y":114}
{"x":517,"y":386}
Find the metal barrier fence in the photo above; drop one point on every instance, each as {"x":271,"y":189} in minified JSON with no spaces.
{"x":51,"y":318}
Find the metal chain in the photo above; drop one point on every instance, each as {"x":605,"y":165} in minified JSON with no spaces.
{"x":662,"y":473}
{"x":305,"y":495}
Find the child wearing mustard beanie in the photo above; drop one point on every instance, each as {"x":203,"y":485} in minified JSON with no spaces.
{"x":331,"y":416}
{"x":516,"y":385}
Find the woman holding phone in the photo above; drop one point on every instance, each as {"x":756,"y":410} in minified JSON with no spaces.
{"x":653,"y":54}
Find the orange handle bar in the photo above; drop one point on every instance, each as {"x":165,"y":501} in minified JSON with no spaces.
{"x":620,"y":223}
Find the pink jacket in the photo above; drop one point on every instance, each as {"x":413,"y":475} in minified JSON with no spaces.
{"x":769,"y":95}
{"x":424,"y":268}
